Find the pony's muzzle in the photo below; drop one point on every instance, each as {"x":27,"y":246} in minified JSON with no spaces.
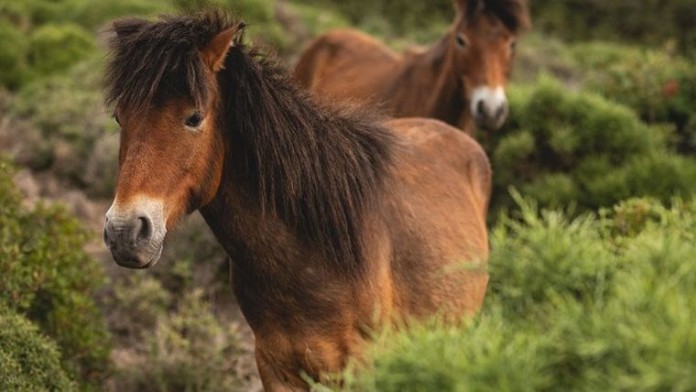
{"x":135,"y":238}
{"x":489,"y":107}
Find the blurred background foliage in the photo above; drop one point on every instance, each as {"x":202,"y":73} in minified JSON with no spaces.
{"x":589,"y":290}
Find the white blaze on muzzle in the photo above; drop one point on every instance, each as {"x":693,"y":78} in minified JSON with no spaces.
{"x":489,"y":106}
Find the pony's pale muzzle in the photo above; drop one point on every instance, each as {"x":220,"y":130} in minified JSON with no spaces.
{"x":489,"y":107}
{"x":135,"y":237}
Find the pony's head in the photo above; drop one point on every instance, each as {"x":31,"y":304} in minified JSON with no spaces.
{"x":162,"y":86}
{"x":483,"y":41}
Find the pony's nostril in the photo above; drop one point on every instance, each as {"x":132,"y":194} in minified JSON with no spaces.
{"x":144,"y":229}
{"x":500,"y":112}
{"x":107,"y":239}
{"x":480,"y":109}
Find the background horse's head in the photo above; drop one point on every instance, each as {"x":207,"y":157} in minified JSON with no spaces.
{"x":483,"y":38}
{"x":162,"y":85}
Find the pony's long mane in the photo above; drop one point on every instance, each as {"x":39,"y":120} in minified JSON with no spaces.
{"x":318,"y":168}
{"x":514,"y":14}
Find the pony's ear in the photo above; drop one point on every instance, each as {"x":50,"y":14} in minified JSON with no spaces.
{"x":126,"y":27}
{"x":214,"y":53}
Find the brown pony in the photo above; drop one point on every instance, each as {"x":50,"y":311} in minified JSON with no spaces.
{"x":463,"y":76}
{"x":334,"y":221}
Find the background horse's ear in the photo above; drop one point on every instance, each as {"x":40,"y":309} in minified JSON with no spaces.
{"x":126,"y":27}
{"x":216,"y":50}
{"x":468,"y":7}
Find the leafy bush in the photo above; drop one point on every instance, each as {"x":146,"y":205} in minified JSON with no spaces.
{"x":28,"y":360}
{"x":138,"y":301}
{"x":48,"y":277}
{"x":92,"y":17}
{"x":400,"y":17}
{"x":13,"y":49}
{"x":54,"y":47}
{"x":562,"y":148}
{"x":655,"y":22}
{"x":75,"y":128}
{"x":538,"y":54}
{"x":574,"y":304}
{"x":659,"y":86}
{"x":189,"y":350}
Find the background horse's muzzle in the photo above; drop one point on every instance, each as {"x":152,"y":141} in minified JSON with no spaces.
{"x":491,"y":117}
{"x":489,"y":107}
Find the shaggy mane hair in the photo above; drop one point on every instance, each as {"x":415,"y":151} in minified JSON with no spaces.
{"x":151,"y":58}
{"x":514,"y":14}
{"x":318,"y":168}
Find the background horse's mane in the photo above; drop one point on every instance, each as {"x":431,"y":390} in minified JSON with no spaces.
{"x":513,"y":13}
{"x":316,"y":167}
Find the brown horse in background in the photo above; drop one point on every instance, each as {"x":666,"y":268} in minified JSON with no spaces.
{"x":334,"y":220}
{"x":463,"y":76}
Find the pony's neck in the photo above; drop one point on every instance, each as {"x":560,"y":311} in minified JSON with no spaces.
{"x":312,"y":170}
{"x":431,"y":71}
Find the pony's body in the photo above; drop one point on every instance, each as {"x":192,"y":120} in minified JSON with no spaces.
{"x":334,"y":223}
{"x":308,"y":315}
{"x":448,"y":82}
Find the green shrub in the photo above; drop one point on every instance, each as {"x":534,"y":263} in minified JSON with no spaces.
{"x":189,"y":350}
{"x":193,"y":259}
{"x":654,"y":22}
{"x":136,"y":304}
{"x":318,"y":20}
{"x":28,"y":360}
{"x":48,"y":277}
{"x":436,"y":357}
{"x":573,"y":304}
{"x":563,"y":148}
{"x":539,"y":259}
{"x":92,"y":17}
{"x":55,"y":47}
{"x":13,"y":49}
{"x":87,"y":14}
{"x":537,"y":54}
{"x":69,"y":112}
{"x":258,"y":14}
{"x":659,"y":86}
{"x":393,"y":17}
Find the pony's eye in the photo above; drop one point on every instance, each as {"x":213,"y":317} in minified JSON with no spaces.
{"x":194,"y":120}
{"x":460,"y":39}
{"x":115,"y":116}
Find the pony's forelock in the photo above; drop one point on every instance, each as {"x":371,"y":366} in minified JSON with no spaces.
{"x":148,"y":57}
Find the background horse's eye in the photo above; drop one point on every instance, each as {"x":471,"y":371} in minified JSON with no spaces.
{"x":461,"y":41}
{"x":194,"y":120}
{"x":513,"y":46}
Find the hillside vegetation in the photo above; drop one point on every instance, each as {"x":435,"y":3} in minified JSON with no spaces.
{"x":592,"y":219}
{"x":596,"y":303}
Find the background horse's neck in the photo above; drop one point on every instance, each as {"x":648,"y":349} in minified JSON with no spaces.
{"x":428,"y":86}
